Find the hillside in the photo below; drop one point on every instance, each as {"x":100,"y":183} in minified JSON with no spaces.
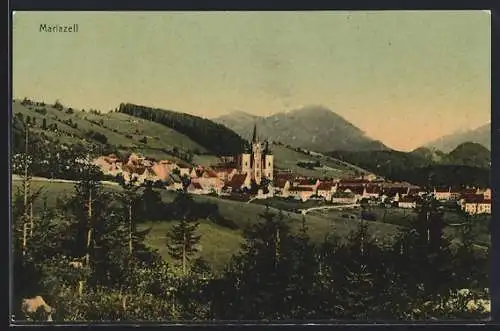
{"x":431,"y":155}
{"x":480,"y":135}
{"x":313,"y":127}
{"x":468,"y":164}
{"x":123,"y":133}
{"x":117,"y":131}
{"x":470,"y":154}
{"x":212,"y":136}
{"x":313,"y":164}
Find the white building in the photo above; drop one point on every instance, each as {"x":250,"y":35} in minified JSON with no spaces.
{"x":257,"y":161}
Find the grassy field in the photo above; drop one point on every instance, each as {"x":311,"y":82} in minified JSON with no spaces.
{"x":402,"y":217}
{"x":219,"y":243}
{"x":287,"y":158}
{"x":122,"y":130}
{"x":288,"y":204}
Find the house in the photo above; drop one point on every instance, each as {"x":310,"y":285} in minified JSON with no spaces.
{"x":486,"y":193}
{"x":325,"y":190}
{"x":476,"y":204}
{"x":305,"y":182}
{"x":393,"y":190}
{"x":184,"y":169}
{"x":224,"y":173}
{"x":442,"y":193}
{"x":345,"y":197}
{"x":414,"y":191}
{"x":196,"y":188}
{"x":139,"y":174}
{"x":407,"y":202}
{"x":135,"y":158}
{"x":371,"y":192}
{"x":148,"y":175}
{"x":353,"y":182}
{"x":356,"y":190}
{"x":281,"y":187}
{"x":108,"y":165}
{"x":163,"y":168}
{"x":133,"y":173}
{"x":301,"y":193}
{"x":195,"y":172}
{"x":455,"y":194}
{"x":239,"y":182}
{"x":174,"y":182}
{"x":369,"y":177}
{"x":210,"y":181}
{"x":284,"y":176}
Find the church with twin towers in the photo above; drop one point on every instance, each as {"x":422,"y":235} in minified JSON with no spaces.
{"x":257,"y":160}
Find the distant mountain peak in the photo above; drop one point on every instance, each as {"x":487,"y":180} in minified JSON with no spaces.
{"x":313,"y":127}
{"x":480,"y":135}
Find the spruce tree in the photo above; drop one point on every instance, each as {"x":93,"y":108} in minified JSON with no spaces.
{"x":303,"y":275}
{"x":256,"y":279}
{"x":182,"y":242}
{"x":358,"y":293}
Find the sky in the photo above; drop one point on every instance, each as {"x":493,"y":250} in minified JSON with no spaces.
{"x":405,"y":78}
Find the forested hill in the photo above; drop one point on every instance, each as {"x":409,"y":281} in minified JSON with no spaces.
{"x":419,"y":169}
{"x":214,"y":137}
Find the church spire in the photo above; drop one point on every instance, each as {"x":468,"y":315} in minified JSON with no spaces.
{"x":254,"y":136}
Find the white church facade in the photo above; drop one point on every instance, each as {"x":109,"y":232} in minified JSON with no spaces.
{"x":257,"y":160}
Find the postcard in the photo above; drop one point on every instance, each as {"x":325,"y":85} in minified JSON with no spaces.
{"x":250,"y":166}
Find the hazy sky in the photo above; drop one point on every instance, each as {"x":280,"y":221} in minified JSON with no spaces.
{"x":403,"y":77}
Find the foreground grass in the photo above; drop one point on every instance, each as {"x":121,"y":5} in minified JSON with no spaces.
{"x":217,"y":244}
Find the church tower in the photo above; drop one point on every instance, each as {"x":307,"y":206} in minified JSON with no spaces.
{"x":268,"y":162}
{"x":256,"y":157}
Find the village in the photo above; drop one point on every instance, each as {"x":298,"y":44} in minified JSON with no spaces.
{"x":253,"y":176}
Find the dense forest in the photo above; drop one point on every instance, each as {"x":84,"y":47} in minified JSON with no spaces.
{"x":417,"y":169}
{"x":214,"y":137}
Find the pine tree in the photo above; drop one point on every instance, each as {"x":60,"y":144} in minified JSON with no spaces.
{"x":358,"y":291}
{"x":182,"y":242}
{"x":130,"y":199}
{"x":469,"y":265}
{"x":303,"y":275}
{"x":426,"y":259}
{"x":255,"y":282}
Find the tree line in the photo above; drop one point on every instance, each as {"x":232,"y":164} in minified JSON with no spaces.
{"x":214,"y":137}
{"x":412,"y":168}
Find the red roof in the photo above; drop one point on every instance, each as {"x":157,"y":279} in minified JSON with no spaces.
{"x":183,"y":165}
{"x":442,"y":190}
{"x":209,"y":174}
{"x":237,"y":181}
{"x":476,"y":198}
{"x":325,"y":186}
{"x":307,"y":182}
{"x":134,"y":169}
{"x":281,"y":183}
{"x":372,"y":190}
{"x":220,"y":169}
{"x":301,"y":189}
{"x":284,"y":176}
{"x":196,"y":185}
{"x":408,"y":199}
{"x":393,"y":190}
{"x":354,"y":189}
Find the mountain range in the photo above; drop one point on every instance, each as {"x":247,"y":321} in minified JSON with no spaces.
{"x":314,"y":128}
{"x":480,"y":135}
